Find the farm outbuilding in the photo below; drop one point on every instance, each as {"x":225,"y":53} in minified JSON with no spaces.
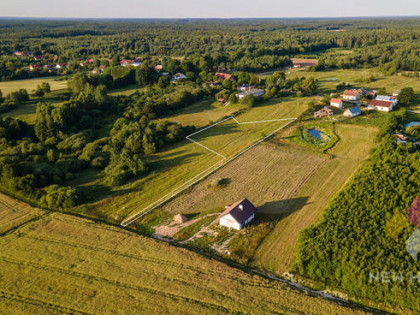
{"x":238,"y":215}
{"x":180,"y":218}
{"x":352,"y":112}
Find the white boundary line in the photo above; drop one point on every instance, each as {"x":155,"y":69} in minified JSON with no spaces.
{"x":206,"y":172}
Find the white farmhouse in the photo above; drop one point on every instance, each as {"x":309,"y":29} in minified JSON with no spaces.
{"x":383,"y":106}
{"x":337,"y":102}
{"x":351,"y":95}
{"x":238,"y":215}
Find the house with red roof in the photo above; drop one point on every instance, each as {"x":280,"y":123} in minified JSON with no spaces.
{"x":336,"y":102}
{"x":238,"y":215}
{"x":384,"y":106}
{"x":223,"y":76}
{"x":351,"y":95}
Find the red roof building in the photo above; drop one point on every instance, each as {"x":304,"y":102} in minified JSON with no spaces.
{"x":223,"y":76}
{"x":337,"y":102}
{"x":384,"y":106}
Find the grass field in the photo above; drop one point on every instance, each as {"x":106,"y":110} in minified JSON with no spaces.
{"x":203,"y":113}
{"x":181,"y":162}
{"x":329,"y":79}
{"x":127,"y":90}
{"x":31,"y":84}
{"x":61,"y":264}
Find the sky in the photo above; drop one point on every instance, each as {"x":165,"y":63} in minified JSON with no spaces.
{"x":207,"y":8}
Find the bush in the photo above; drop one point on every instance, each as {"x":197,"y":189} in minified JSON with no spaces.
{"x":59,"y":197}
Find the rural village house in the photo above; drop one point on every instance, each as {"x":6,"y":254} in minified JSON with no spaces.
{"x":178,"y":76}
{"x":352,"y":112}
{"x":255,"y":92}
{"x":337,"y":102}
{"x":351,"y":95}
{"x":387,"y":98}
{"x":238,"y":215}
{"x":383,"y":106}
{"x":223,"y":76}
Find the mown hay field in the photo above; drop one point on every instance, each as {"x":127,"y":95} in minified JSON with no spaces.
{"x":14,"y":213}
{"x":183,"y":161}
{"x":288,"y":183}
{"x":62,"y":264}
{"x":30,"y":84}
{"x":277,"y":251}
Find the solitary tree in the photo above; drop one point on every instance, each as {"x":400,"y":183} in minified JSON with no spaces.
{"x":407,"y":96}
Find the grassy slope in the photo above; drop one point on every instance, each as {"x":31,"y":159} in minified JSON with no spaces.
{"x":31,"y":84}
{"x":278,"y":249}
{"x":61,"y":264}
{"x":181,"y":162}
{"x":202,"y":113}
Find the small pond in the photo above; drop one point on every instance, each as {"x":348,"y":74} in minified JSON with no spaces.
{"x":316,"y":133}
{"x":411,"y":124}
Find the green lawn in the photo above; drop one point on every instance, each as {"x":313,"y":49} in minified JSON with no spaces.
{"x":358,"y":77}
{"x":127,"y":90}
{"x":31,"y":84}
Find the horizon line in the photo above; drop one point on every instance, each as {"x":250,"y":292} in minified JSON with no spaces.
{"x":210,"y":18}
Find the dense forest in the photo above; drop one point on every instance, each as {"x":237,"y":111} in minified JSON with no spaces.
{"x":248,"y":45}
{"x":360,"y":242}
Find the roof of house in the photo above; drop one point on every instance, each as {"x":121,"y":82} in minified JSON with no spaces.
{"x":224,"y":76}
{"x":355,"y":110}
{"x":336,"y":100}
{"x":241,"y":210}
{"x":351,"y":93}
{"x":252,"y":91}
{"x":385,"y":98}
{"x":380,"y":103}
{"x":414,"y":212}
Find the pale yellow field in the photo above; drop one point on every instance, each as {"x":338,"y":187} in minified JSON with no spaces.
{"x":14,"y":213}
{"x":31,"y":84}
{"x":277,"y":251}
{"x":61,"y":264}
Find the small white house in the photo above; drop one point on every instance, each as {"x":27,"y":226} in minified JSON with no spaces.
{"x":337,"y":102}
{"x":238,"y":215}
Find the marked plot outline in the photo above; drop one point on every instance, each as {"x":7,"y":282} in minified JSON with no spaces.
{"x":223,"y":161}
